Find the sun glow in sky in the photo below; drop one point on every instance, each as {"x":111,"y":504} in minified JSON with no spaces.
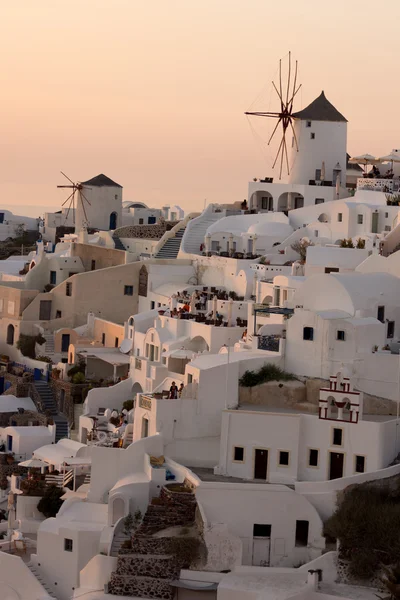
{"x":153,"y":93}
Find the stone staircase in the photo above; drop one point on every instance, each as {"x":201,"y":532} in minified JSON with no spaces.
{"x":172,"y":246}
{"x":195,"y":234}
{"x":49,"y":405}
{"x":147,"y":569}
{"x":49,"y":348}
{"x":34,"y":570}
{"x":117,"y":542}
{"x":118,"y":245}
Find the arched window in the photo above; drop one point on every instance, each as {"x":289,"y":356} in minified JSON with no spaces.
{"x":113,"y":220}
{"x":10,"y":335}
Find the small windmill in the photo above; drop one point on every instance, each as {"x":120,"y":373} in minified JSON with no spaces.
{"x":77,"y":188}
{"x":286,"y":95}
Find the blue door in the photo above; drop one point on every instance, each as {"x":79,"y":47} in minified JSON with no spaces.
{"x":1,"y":217}
{"x":151,"y":220}
{"x":37,"y":374}
{"x":113,"y":220}
{"x":9,"y":443}
{"x":64,"y":342}
{"x":1,"y":385}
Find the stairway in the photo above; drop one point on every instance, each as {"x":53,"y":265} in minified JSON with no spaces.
{"x":49,"y":344}
{"x":46,"y":395}
{"x":118,"y":245}
{"x":195,"y":235}
{"x":117,"y":542}
{"x":34,"y":570}
{"x":171,"y":247}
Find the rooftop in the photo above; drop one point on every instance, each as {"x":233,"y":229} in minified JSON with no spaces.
{"x":320,"y":110}
{"x":101,"y":181}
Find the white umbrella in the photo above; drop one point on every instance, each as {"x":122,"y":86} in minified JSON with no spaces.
{"x":322,"y":176}
{"x":193,"y":300}
{"x":215,"y":307}
{"x":392,"y":158}
{"x":230,"y":306}
{"x":337,"y":186}
{"x":364,"y":159}
{"x":33,"y":463}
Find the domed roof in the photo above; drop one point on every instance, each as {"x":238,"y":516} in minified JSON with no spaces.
{"x":270,"y":228}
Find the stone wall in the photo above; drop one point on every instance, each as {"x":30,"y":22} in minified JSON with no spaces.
{"x":148,"y":232}
{"x":274,"y":394}
{"x":20,"y":386}
{"x":66,"y":395}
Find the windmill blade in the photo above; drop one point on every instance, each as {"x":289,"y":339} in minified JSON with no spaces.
{"x":82,"y":194}
{"x":274,"y":131}
{"x":70,"y":196}
{"x":83,"y":206}
{"x":288,"y":83}
{"x":66,"y":177}
{"x":66,"y":186}
{"x":286,"y":154}
{"x":72,"y":203}
{"x":277,"y":154}
{"x":279,"y":95}
{"x":293,"y":97}
{"x":294,"y":135}
{"x":283,"y":147}
{"x":259,"y":114}
{"x":294,"y":87}
{"x":280,"y":82}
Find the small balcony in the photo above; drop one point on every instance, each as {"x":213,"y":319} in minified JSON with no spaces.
{"x":388,"y":186}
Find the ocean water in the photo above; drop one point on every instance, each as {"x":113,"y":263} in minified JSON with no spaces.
{"x":29,"y":210}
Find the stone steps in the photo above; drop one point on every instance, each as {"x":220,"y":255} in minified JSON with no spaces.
{"x":34,"y":570}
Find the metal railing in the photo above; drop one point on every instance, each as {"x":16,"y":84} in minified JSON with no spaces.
{"x":268,"y":342}
{"x":60,"y":480}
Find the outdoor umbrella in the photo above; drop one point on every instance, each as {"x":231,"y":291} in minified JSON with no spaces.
{"x":322,"y":176}
{"x":364,"y":159}
{"x":392,"y":158}
{"x":33,"y":463}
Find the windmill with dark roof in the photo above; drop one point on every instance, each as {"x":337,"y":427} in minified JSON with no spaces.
{"x":96,"y":203}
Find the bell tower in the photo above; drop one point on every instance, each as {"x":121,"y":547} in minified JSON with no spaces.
{"x":340,"y":402}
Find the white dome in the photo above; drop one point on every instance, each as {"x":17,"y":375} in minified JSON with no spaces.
{"x":271,"y":229}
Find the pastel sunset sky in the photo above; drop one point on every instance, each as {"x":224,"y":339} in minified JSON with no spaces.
{"x":153,"y":93}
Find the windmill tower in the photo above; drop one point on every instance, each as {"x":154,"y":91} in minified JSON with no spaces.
{"x":320,"y":134}
{"x":98,"y":203}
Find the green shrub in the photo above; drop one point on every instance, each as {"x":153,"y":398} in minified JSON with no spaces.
{"x":367,"y":524}
{"x":266,"y":373}
{"x":51,"y":502}
{"x":79,"y":378}
{"x":127,"y":405}
{"x":26,"y":344}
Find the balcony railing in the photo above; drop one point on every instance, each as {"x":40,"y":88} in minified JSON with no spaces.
{"x":268,"y":342}
{"x":378,"y":185}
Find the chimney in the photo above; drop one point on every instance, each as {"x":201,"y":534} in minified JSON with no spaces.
{"x":313,"y":578}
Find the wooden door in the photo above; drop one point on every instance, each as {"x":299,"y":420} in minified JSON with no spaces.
{"x":260,"y":463}
{"x":336,"y":465}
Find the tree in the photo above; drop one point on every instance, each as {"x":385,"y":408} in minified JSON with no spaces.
{"x":301,"y":248}
{"x":51,"y":502}
{"x":360,"y":244}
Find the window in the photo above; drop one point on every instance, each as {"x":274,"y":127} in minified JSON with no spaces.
{"x":116,"y":343}
{"x":53,"y":277}
{"x":58,"y":314}
{"x":128,"y":290}
{"x":312,"y":136}
{"x":140,"y":221}
{"x":68,"y":545}
{"x":313,"y":457}
{"x":145,"y":427}
{"x":93,"y":265}
{"x":317,"y":174}
{"x":302,"y":533}
{"x":283,"y":458}
{"x":238,"y":454}
{"x":308,"y":124}
{"x":340,"y":217}
{"x":387,"y":228}
{"x":316,"y":233}
{"x":152,"y":304}
{"x":68,"y":289}
{"x":386,"y":215}
{"x":308,"y":334}
{"x":381,"y":314}
{"x":116,"y":197}
{"x":360,"y":219}
{"x":340,"y":335}
{"x":331,"y":270}
{"x":319,"y":200}
{"x":103,"y":339}
{"x":260,"y":530}
{"x":190,"y":378}
{"x":359,"y":466}
{"x":390,"y":329}
{"x":337,"y":437}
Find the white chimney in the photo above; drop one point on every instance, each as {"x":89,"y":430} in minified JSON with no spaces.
{"x":313,"y":578}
